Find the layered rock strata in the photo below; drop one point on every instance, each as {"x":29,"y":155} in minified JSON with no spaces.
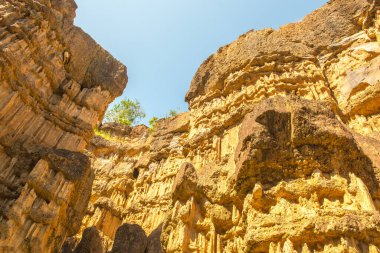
{"x":128,"y":186}
{"x":279,"y":151}
{"x":55,"y":84}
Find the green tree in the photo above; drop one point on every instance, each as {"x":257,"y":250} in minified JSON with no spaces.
{"x":173,"y":113}
{"x":153,"y":123}
{"x":126,"y":112}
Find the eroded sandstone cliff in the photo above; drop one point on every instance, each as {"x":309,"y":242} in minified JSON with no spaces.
{"x":279,"y":151}
{"x":55,"y":84}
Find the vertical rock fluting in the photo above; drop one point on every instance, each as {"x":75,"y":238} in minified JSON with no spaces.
{"x":133,"y":177}
{"x":55,"y":84}
{"x":279,"y":151}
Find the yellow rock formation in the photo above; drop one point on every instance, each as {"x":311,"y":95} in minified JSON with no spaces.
{"x":279,"y":151}
{"x":55,"y":84}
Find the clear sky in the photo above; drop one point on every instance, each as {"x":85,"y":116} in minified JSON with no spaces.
{"x":163,"y":42}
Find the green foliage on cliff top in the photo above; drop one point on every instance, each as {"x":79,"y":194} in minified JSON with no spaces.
{"x":126,"y":112}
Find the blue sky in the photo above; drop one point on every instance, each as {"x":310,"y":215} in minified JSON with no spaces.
{"x":164,"y":42}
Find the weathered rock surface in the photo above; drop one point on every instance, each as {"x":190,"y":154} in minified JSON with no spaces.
{"x":298,"y":173}
{"x":124,"y":173}
{"x":130,"y":238}
{"x":55,"y":84}
{"x":154,"y":241}
{"x":279,"y":151}
{"x":91,"y":242}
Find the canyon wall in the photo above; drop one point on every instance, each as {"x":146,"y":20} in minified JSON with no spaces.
{"x":279,"y":151}
{"x":55,"y":85}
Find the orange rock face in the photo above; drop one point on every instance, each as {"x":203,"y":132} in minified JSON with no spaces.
{"x":55,"y":84}
{"x":279,"y":151}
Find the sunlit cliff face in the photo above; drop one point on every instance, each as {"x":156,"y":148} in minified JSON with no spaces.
{"x":279,"y":151}
{"x":271,"y":157}
{"x":55,"y":85}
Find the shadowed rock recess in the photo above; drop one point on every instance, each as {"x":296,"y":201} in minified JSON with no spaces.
{"x":279,"y":151}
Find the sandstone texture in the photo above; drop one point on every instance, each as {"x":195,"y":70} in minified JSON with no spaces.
{"x":55,"y":85}
{"x":279,"y":151}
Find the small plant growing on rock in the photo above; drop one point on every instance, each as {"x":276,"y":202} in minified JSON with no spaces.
{"x":105,"y":134}
{"x":153,"y":123}
{"x":173,"y":113}
{"x":126,"y":112}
